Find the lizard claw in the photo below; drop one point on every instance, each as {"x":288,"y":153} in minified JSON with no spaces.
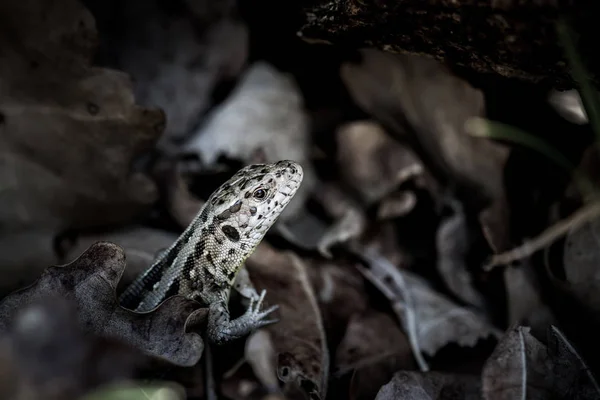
{"x":221,"y":330}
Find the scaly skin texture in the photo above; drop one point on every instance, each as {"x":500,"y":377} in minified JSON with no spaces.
{"x":206,"y":261}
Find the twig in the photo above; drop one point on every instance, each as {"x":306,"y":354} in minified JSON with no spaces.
{"x":574,"y":221}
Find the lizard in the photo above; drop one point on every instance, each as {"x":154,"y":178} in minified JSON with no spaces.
{"x":207,"y":259}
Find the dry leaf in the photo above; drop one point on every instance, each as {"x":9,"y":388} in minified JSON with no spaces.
{"x":453,"y":245}
{"x":568,"y":105}
{"x":522,"y":367}
{"x":418,"y":100}
{"x":299,"y":337}
{"x":91,"y":281}
{"x":373,"y":348}
{"x":429,"y":386}
{"x":430,"y":320}
{"x":69,"y":132}
{"x":262,"y":120}
{"x":371,"y":162}
{"x":341,"y":293}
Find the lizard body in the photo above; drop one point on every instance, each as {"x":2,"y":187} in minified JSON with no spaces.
{"x":205,"y":262}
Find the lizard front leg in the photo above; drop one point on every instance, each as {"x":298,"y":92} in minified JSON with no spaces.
{"x":243,"y":285}
{"x":221,"y":328}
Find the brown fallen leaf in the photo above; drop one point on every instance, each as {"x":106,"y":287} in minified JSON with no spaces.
{"x":91,"y":281}
{"x":522,"y":367}
{"x":419,"y":101}
{"x":69,"y":132}
{"x":299,"y":337}
{"x":372,"y":349}
{"x":430,"y":385}
{"x":49,"y":356}
{"x":341,"y":293}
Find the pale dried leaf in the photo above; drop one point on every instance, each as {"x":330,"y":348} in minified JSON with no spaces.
{"x":569,"y":105}
{"x":260,"y":354}
{"x":91,"y":280}
{"x":430,"y":386}
{"x":453,"y":244}
{"x":262,"y":120}
{"x":430,"y":320}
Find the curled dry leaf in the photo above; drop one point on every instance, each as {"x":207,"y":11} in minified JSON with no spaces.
{"x":69,"y":132}
{"x":176,"y":66}
{"x":522,"y":367}
{"x":430,"y":385}
{"x":371,"y":162}
{"x":91,"y":281}
{"x":50,"y":357}
{"x":418,"y":100}
{"x":430,"y":320}
{"x":263,"y":120}
{"x":373,"y":348}
{"x":299,"y":337}
{"x":453,"y":243}
{"x":350,"y":220}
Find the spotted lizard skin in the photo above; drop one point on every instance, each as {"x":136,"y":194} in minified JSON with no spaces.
{"x":206,"y":261}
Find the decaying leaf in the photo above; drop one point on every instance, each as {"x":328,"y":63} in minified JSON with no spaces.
{"x":299,"y":337}
{"x":453,"y":243}
{"x":430,"y":385}
{"x":350,"y":220}
{"x":91,"y":281}
{"x":430,"y":320}
{"x":49,"y":356}
{"x":371,"y":162}
{"x":69,"y":132}
{"x":418,"y":100}
{"x":262,"y":121}
{"x":370,"y":338}
{"x":372,"y":349}
{"x":522,"y":367}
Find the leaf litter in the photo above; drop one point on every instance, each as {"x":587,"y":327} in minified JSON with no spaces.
{"x":377,"y":266}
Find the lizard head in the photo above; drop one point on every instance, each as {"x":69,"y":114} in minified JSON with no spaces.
{"x":247,"y":205}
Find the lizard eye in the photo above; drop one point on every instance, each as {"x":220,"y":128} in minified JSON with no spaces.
{"x":260,"y":194}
